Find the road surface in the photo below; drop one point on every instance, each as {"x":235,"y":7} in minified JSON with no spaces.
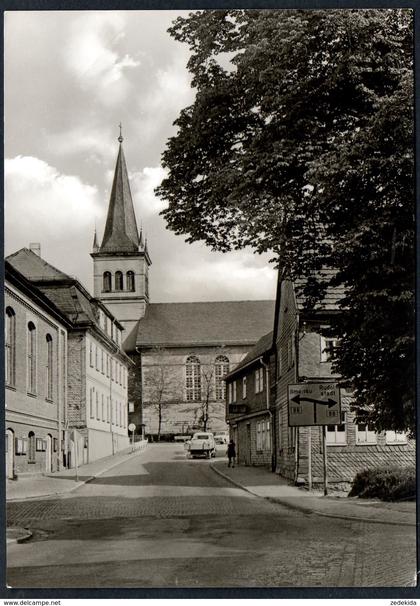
{"x":162,"y":520}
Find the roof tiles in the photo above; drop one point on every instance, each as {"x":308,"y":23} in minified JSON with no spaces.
{"x":221,"y":322}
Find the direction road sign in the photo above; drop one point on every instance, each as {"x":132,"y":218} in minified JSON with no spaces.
{"x":314,"y":404}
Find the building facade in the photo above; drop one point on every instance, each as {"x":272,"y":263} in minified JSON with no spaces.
{"x":96,"y":411}
{"x":303,"y":355}
{"x":249,"y":402}
{"x":35,"y":379}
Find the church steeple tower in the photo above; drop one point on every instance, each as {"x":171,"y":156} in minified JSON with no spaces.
{"x":122,"y":261}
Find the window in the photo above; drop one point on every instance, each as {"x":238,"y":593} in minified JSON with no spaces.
{"x":49,"y":367}
{"x":336,"y":434}
{"x":31,"y":361}
{"x":193,"y":379}
{"x":259,"y":380}
{"x":221,"y":368}
{"x":267,"y":436}
{"x":91,"y":403}
{"x":97,"y":406}
{"x":328,"y":345}
{"x":395,"y":437}
{"x":102,"y":361}
{"x":118,"y":280}
{"x":91,"y":354}
{"x":234,"y":391}
{"x":10,"y":346}
{"x":103,"y":407}
{"x":243,"y":388}
{"x":107,"y":365}
{"x":31,"y":447}
{"x":279,"y":362}
{"x":123,"y":377}
{"x":146,"y":285}
{"x":106,"y":287}
{"x":365,"y":435}
{"x":263,"y":435}
{"x":96,"y":357}
{"x":230,"y":393}
{"x":130,"y":281}
{"x":107,"y":409}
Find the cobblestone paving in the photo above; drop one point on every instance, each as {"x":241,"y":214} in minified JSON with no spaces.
{"x":197,"y":541}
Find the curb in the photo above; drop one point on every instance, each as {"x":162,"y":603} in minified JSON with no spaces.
{"x":308,"y":511}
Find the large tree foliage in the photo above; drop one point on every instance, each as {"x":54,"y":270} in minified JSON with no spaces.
{"x":300,"y":143}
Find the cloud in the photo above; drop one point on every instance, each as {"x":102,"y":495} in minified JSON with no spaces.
{"x":92,"y":57}
{"x":169,"y":92}
{"x":59,"y":211}
{"x":143,"y":184}
{"x":208,"y":276}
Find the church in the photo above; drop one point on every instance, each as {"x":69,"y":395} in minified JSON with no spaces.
{"x":181,"y":351}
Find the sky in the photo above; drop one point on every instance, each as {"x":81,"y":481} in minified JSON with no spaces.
{"x":70,"y":79}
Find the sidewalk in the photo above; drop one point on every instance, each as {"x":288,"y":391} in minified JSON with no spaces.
{"x":263,"y":483}
{"x":64,"y":481}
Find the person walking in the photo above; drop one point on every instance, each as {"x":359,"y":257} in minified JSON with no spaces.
{"x":231,"y":453}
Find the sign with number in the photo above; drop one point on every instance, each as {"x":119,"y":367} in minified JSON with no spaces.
{"x":131,"y":427}
{"x":314,"y":404}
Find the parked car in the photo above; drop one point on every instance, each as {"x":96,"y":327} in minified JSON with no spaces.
{"x":221,"y":438}
{"x":201,"y":445}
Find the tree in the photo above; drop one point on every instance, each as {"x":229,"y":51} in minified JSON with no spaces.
{"x":300,"y":142}
{"x":159,"y":386}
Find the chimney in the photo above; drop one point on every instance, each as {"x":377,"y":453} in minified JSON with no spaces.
{"x":35,"y":247}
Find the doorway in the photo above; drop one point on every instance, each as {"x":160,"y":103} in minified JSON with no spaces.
{"x":248,"y":445}
{"x":48,"y":455}
{"x":10,"y":454}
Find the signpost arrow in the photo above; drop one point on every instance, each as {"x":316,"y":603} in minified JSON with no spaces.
{"x":298,"y":399}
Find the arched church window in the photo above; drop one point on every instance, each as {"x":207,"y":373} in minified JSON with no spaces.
{"x":192,"y":379}
{"x":118,"y":280}
{"x":107,"y":281}
{"x":130,"y":281}
{"x":49,"y":367}
{"x":221,"y":368}
{"x":31,"y":358}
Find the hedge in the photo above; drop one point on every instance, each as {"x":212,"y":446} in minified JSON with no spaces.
{"x":385,"y":483}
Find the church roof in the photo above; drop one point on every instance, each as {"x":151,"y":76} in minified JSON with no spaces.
{"x":207,"y":323}
{"x":65,"y":292}
{"x":121,"y":234}
{"x":262,"y":346}
{"x":34,"y":268}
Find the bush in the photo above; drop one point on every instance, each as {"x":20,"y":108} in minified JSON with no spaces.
{"x":385,"y":483}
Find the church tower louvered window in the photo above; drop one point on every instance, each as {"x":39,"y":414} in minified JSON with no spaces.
{"x":193,"y":379}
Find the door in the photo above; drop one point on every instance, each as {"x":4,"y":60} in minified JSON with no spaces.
{"x":10,"y":454}
{"x":248,"y":445}
{"x":48,"y":455}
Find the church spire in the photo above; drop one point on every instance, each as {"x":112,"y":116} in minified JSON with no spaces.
{"x":121,"y":234}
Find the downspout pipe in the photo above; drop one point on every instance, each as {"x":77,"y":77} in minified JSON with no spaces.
{"x":267,"y":394}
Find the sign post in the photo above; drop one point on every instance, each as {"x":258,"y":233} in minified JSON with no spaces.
{"x":76,"y":455}
{"x":132,"y":428}
{"x":324,"y":458}
{"x":315,"y":404}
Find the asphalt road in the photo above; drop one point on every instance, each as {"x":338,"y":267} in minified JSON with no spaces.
{"x":162,"y":520}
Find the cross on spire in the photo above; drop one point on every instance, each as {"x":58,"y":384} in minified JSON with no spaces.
{"x":120,"y":138}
